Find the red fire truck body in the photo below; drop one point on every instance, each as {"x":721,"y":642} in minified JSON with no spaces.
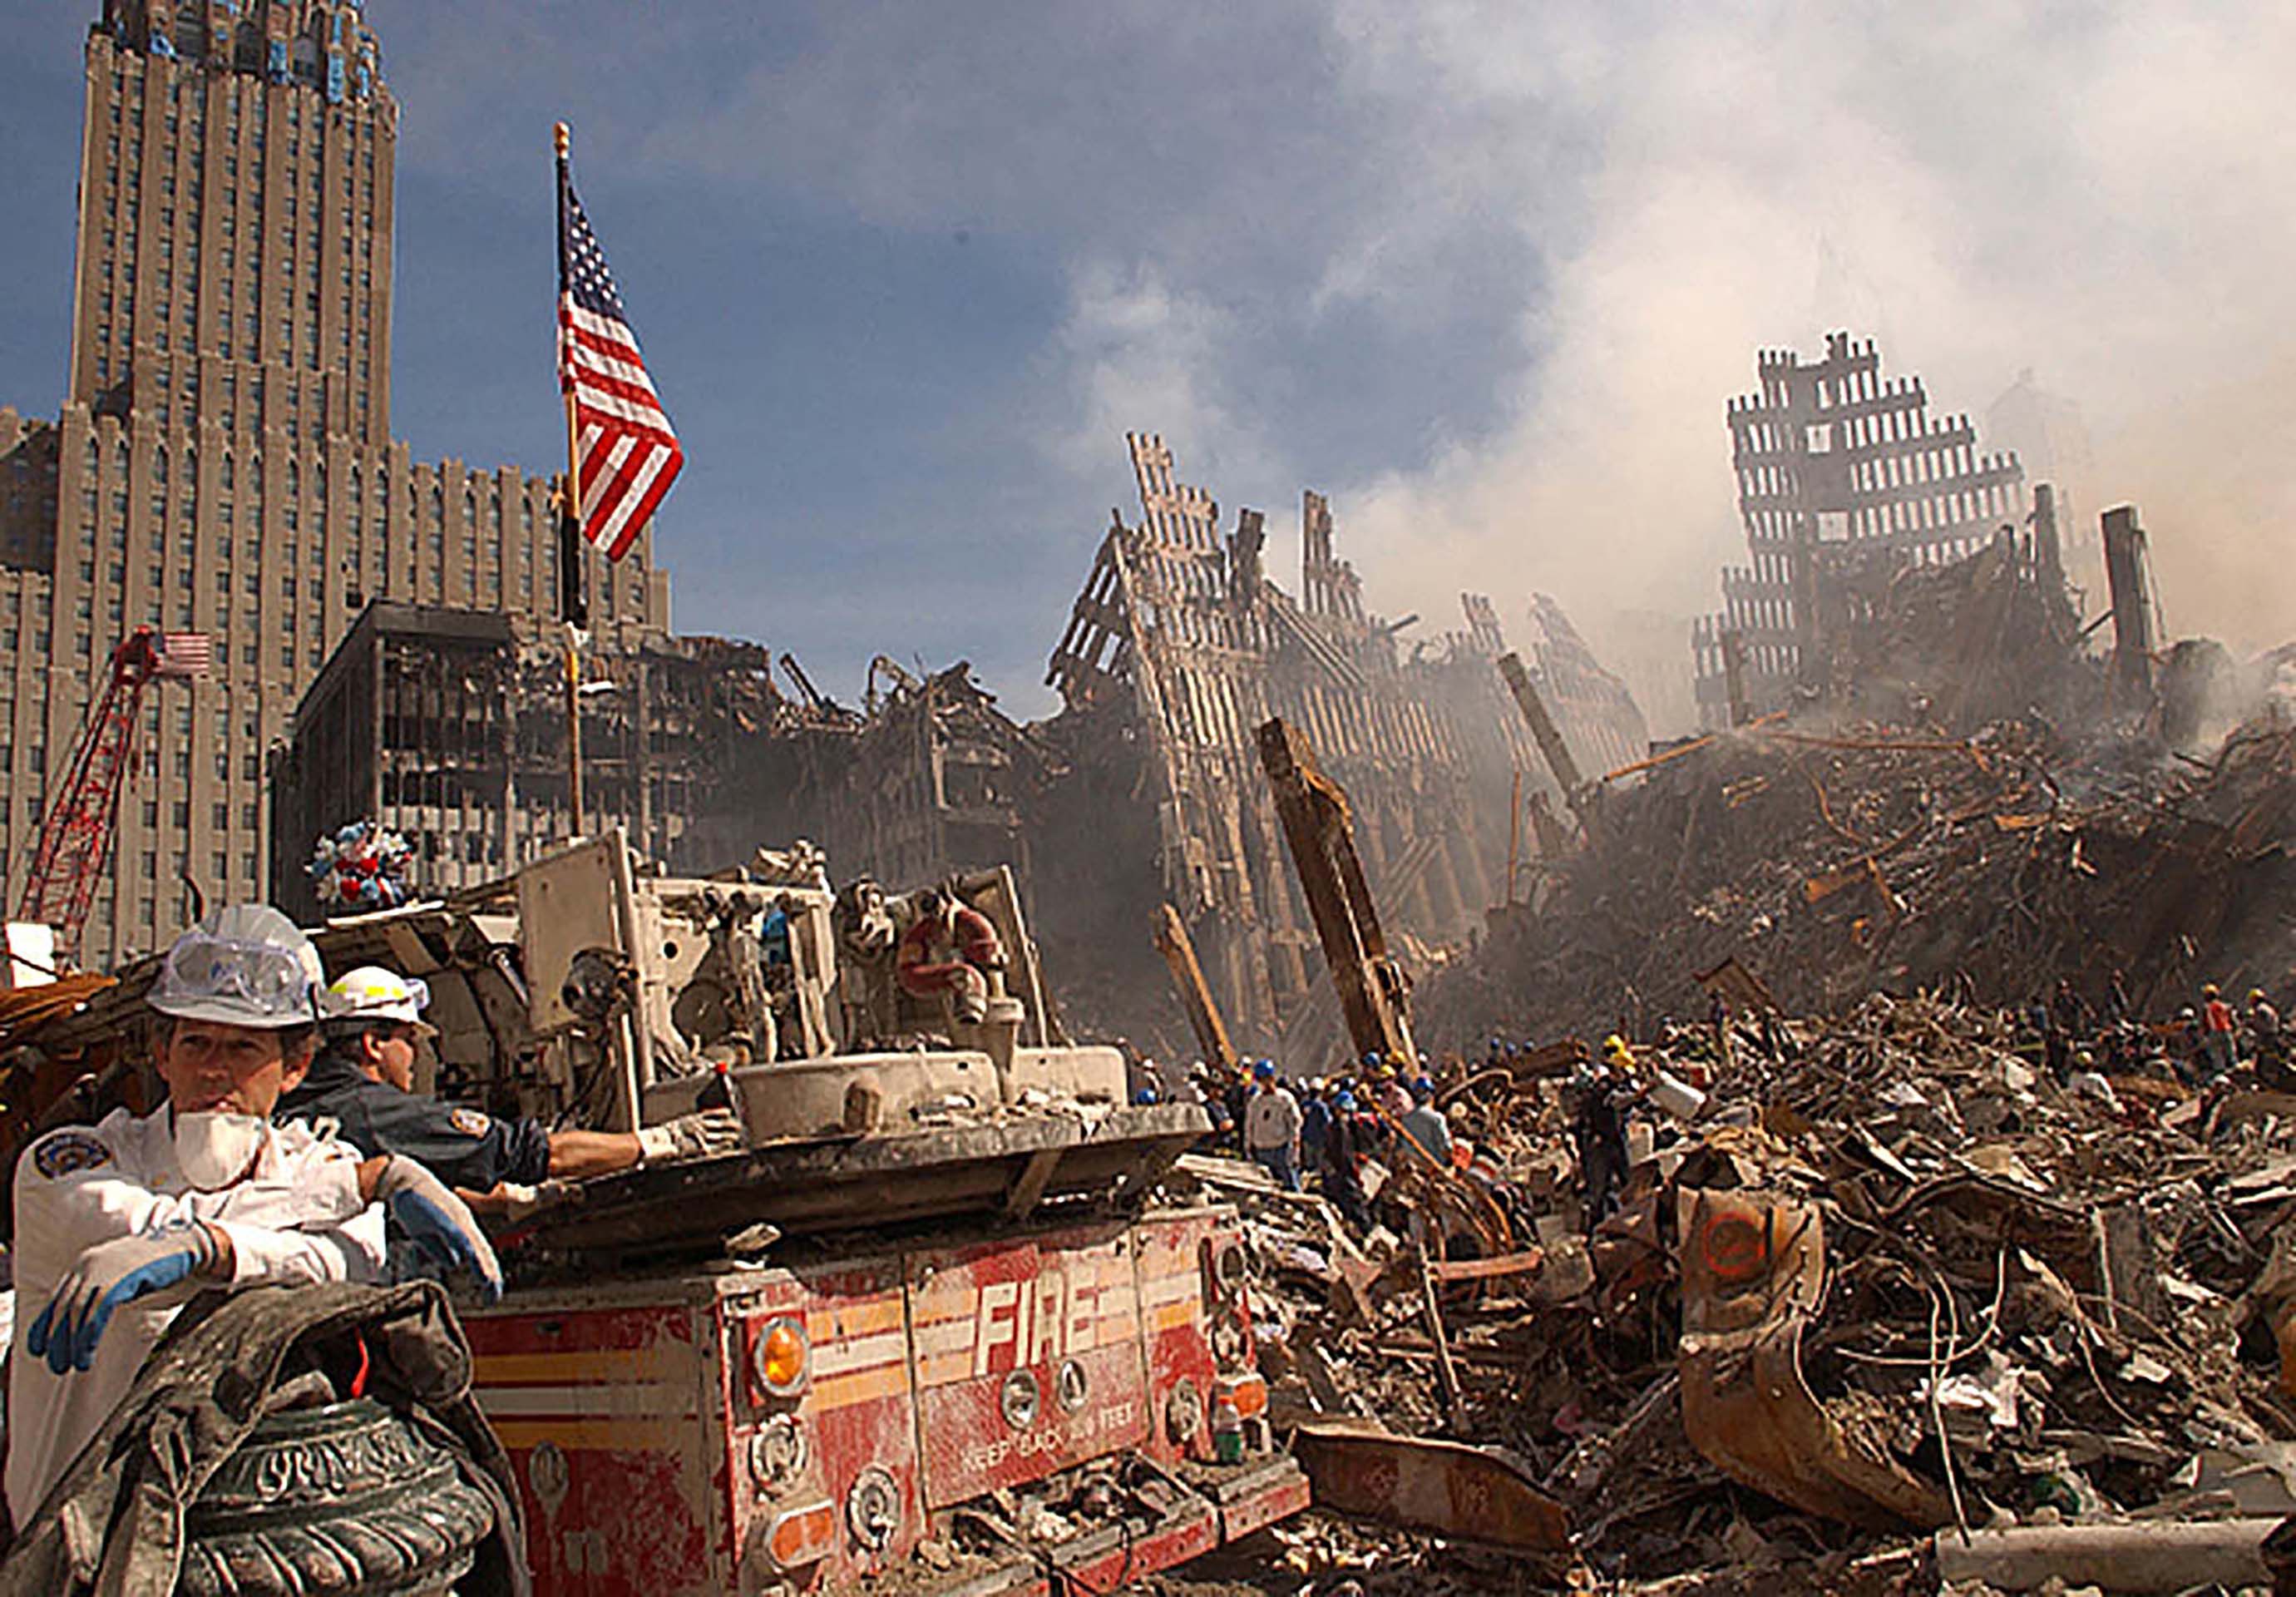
{"x":924,"y":1322}
{"x":800,"y":1427}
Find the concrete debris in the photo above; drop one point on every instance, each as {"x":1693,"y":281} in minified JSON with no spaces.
{"x":1842,"y":861}
{"x":1977,"y":1298}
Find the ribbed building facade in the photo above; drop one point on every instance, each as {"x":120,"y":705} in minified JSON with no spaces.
{"x":1836,"y":464}
{"x":223,"y":460}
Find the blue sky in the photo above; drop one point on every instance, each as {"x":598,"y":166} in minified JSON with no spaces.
{"x":1485,"y":271}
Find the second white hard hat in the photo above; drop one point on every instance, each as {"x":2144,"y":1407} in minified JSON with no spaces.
{"x":371,"y":992}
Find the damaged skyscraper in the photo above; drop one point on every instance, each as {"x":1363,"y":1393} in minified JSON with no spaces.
{"x":1837,"y":466}
{"x":1178,"y":647}
{"x":449,"y":726}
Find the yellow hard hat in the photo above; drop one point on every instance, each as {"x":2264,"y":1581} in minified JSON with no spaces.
{"x":1614,"y":1044}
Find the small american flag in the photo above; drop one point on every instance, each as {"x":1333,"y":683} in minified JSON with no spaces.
{"x":627,"y":452}
{"x":183,"y":655}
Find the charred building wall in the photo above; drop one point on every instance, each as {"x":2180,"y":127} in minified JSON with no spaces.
{"x":930,"y":778}
{"x":449,"y":726}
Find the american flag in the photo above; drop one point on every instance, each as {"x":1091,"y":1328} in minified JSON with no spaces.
{"x":183,"y":655}
{"x":627,"y":451}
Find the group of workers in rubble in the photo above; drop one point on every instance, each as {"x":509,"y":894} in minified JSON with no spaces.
{"x":291,"y":1147}
{"x":2209,"y":1046}
{"x":1321,"y":1132}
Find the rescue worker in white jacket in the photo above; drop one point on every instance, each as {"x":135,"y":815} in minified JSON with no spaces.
{"x":119,"y":1224}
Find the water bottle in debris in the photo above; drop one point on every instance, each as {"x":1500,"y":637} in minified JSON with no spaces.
{"x":1227,"y":1432}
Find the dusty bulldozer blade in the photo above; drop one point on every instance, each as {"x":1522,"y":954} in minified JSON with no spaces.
{"x":1446,"y":1488}
{"x":1753,"y":1268}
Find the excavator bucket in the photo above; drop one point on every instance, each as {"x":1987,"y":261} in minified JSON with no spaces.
{"x":1444,"y":1488}
{"x":1753,"y":1271}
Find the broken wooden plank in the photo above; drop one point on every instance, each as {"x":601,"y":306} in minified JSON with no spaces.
{"x":2146,"y":1557}
{"x":1444,"y":1271}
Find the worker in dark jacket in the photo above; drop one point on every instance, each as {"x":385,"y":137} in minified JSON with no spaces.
{"x":1343,"y":1153}
{"x":363,"y":1077}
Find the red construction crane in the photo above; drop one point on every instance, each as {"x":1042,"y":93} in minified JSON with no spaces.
{"x":76,"y":832}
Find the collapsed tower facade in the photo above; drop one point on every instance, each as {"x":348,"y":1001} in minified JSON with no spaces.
{"x":1836,"y":465}
{"x":1178,"y":647}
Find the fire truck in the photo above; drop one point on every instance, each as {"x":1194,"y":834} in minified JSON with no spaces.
{"x":931,"y":1323}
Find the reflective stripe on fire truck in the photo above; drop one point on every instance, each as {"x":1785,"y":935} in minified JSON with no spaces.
{"x":1174,"y":1300}
{"x":593,"y":1399}
{"x":860,"y":1353}
{"x":602,"y":1366}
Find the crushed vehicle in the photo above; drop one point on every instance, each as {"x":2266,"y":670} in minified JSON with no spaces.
{"x":931,"y":1319}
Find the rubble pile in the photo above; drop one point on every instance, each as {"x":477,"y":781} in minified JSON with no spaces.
{"x":1898,"y":861}
{"x":2004,"y":1301}
{"x":1959,"y":644}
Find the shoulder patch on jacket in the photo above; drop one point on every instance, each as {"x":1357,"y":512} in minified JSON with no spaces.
{"x":470,"y":1121}
{"x":65,"y":1152}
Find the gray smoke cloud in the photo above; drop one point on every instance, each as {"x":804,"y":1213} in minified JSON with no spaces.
{"x":2080,"y":189}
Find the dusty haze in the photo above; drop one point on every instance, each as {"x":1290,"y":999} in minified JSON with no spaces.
{"x":2091,"y":192}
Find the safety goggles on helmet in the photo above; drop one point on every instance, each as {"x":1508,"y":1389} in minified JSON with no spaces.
{"x":206,"y":977}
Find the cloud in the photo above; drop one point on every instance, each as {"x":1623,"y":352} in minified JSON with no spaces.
{"x":1488,"y":272}
{"x":2081,"y":189}
{"x":1134,"y":355}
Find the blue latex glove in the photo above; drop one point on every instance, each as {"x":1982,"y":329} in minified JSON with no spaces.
{"x":106,"y":1276}
{"x":428,"y":1211}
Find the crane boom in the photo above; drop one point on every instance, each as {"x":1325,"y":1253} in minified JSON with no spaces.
{"x":81,"y":816}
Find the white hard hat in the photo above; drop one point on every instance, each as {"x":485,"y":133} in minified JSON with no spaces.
{"x":371,"y":992}
{"x":244,"y":965}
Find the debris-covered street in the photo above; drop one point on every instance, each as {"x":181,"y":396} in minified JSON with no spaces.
{"x":1924,"y":1215}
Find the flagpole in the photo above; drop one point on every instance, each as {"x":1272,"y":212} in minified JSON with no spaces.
{"x":570,"y":544}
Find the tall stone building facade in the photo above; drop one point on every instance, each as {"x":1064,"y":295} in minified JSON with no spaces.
{"x":223,"y":460}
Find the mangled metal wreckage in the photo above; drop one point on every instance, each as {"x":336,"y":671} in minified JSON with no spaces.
{"x":1178,"y":647}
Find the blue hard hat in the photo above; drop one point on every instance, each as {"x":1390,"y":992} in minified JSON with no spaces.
{"x":1372,"y":1058}
{"x":1146,"y":1095}
{"x":1263,"y":1068}
{"x":1425,"y":1085}
{"x":1346,"y":1100}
